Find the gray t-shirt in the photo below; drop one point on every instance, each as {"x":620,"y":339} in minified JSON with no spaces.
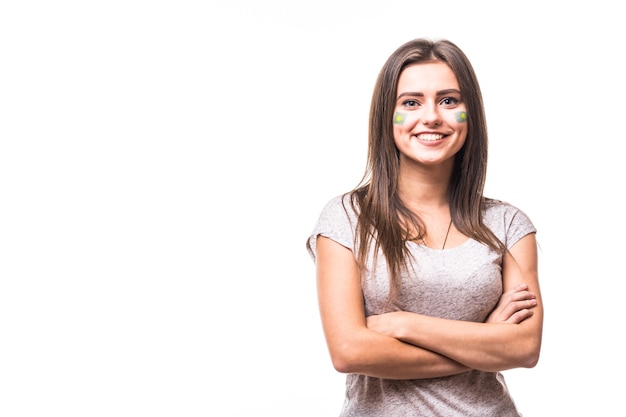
{"x":458,"y":283}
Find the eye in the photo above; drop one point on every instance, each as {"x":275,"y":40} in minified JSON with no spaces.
{"x":450,"y":101}
{"x":411,"y":104}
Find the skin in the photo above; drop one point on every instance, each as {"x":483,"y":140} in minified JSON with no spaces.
{"x":404,"y":345}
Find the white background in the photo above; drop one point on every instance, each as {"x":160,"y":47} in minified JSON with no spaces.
{"x":162,"y":163}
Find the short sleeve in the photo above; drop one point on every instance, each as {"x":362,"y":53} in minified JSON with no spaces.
{"x":508,"y":222}
{"x":519,"y":226}
{"x":337,"y":221}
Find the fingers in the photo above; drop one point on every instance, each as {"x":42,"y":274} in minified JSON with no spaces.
{"x":518,"y":294}
{"x":520,"y":310}
{"x":520,"y":315}
{"x":514,"y":306}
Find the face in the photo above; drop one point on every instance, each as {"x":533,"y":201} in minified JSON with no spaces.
{"x":430,"y":119}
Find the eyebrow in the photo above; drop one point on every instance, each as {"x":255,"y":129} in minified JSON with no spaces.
{"x":439,"y":93}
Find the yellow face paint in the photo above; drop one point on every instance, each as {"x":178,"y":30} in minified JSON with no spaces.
{"x":461,"y":116}
{"x":398,"y":118}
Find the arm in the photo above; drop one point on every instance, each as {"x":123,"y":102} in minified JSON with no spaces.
{"x":352,"y":346}
{"x":511,"y":336}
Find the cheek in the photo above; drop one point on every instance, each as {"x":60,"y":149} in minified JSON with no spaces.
{"x":400,"y":130}
{"x":458,"y":124}
{"x":404,"y":121}
{"x":462,"y":134}
{"x":456,"y":119}
{"x":401,"y":124}
{"x":461,"y":116}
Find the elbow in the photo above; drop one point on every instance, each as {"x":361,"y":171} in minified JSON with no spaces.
{"x":345,"y":358}
{"x":529,"y":356}
{"x":525,"y":361}
{"x":518,"y":355}
{"x":517,"y":358}
{"x":533,"y":363}
{"x":532,"y":359}
{"x":341,"y":366}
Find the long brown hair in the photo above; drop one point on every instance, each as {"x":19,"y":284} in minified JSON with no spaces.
{"x":383,"y":218}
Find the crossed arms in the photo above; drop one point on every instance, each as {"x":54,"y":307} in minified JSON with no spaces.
{"x":404,"y":345}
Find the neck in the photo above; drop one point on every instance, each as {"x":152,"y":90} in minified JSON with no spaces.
{"x":422,"y":195}
{"x":424,"y":187}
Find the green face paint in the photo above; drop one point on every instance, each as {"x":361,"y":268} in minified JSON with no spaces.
{"x":461,"y":117}
{"x":398,"y":118}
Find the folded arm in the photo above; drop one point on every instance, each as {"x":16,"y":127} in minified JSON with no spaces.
{"x":510,"y":337}
{"x":352,"y":346}
{"x":404,"y":345}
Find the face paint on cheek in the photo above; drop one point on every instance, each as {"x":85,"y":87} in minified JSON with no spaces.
{"x":398,"y":118}
{"x":461,"y":117}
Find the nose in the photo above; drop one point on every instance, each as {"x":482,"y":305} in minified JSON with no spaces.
{"x":430,"y":115}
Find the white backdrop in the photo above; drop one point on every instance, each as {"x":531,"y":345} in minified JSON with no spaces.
{"x":162,"y":163}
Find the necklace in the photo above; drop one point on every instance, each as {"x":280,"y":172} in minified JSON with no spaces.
{"x":447,"y":233}
{"x":444,"y":240}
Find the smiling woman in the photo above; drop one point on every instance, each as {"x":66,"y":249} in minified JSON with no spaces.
{"x":430,"y":102}
{"x":427,"y":288}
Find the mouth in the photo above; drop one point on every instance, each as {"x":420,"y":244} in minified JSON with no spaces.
{"x":429,"y":136}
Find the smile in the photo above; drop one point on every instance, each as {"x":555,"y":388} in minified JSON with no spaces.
{"x":429,"y":136}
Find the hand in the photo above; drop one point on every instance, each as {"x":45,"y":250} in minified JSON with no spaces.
{"x":386,"y":323}
{"x":514,"y":306}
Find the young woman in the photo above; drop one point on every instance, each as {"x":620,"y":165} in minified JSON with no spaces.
{"x":427,"y":289}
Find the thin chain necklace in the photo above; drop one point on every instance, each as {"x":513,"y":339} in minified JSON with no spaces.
{"x":444,"y":240}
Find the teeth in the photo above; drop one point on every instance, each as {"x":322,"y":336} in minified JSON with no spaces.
{"x":429,"y":136}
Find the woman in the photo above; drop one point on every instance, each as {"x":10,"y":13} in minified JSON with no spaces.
{"x":427,"y":289}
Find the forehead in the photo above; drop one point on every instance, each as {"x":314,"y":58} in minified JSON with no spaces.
{"x":425,"y":77}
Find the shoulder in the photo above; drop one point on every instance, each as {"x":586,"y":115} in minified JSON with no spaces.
{"x":340,"y":206}
{"x":494,"y":208}
{"x":507,"y":221}
{"x":337,"y":221}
